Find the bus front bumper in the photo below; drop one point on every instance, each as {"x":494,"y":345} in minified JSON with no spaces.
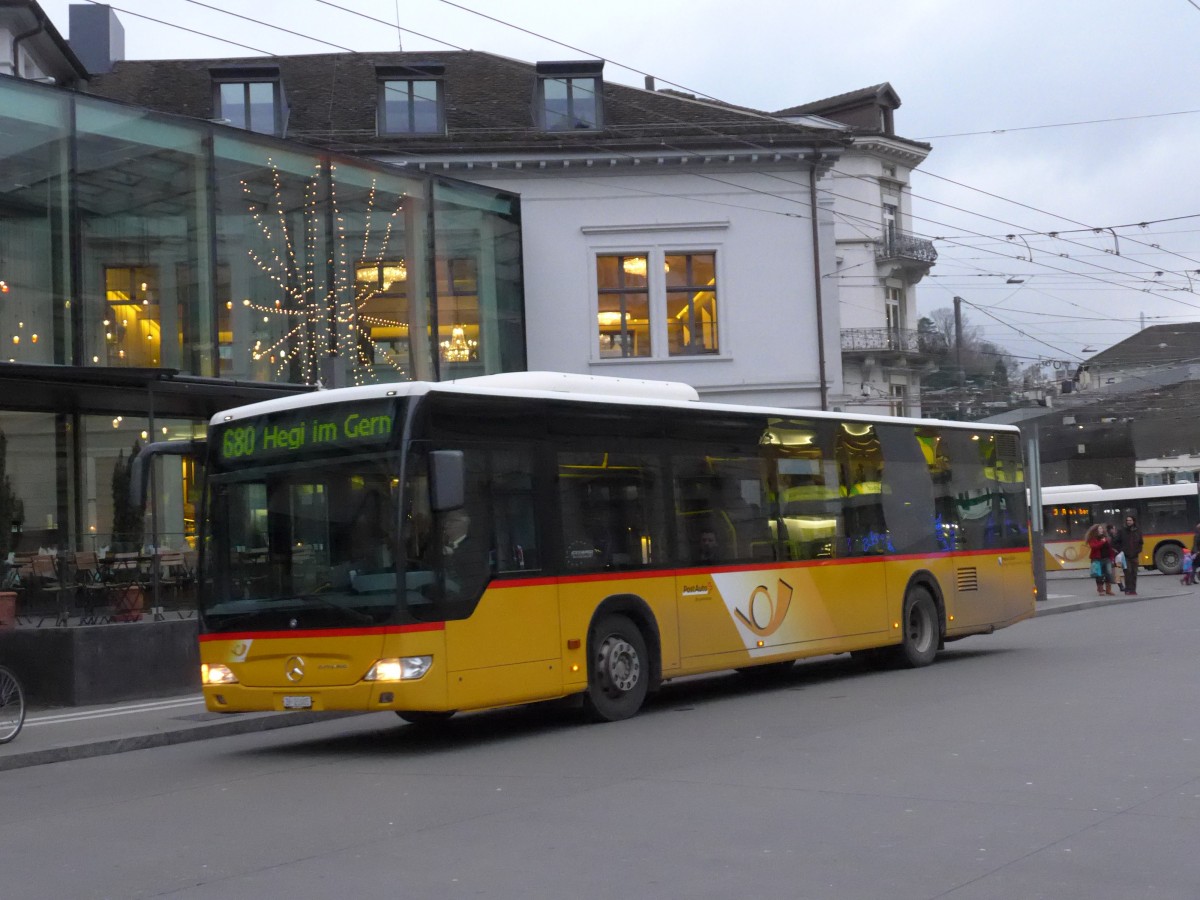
{"x":365,"y":696}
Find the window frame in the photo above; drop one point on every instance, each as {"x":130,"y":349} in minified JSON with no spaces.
{"x":658,"y":295}
{"x":571,"y":120}
{"x":690,"y":289}
{"x":221,"y":79}
{"x":569,"y":72}
{"x":622,"y":291}
{"x":384,"y":79}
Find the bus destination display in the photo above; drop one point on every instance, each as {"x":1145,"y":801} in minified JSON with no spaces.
{"x":296,"y":432}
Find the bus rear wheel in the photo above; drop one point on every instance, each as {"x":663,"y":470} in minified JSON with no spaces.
{"x":921,"y":631}
{"x":618,"y":670}
{"x":1168,"y":559}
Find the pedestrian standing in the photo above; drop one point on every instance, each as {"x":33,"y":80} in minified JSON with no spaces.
{"x":1099,"y":549}
{"x":1195,"y":551}
{"x":1118,"y":557}
{"x":1131,"y":544}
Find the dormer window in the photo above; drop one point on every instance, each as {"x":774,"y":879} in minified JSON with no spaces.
{"x":250,"y":98}
{"x":411,"y":99}
{"x":569,"y":95}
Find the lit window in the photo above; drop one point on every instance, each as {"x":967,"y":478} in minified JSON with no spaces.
{"x":131,"y":330}
{"x":624,"y":312}
{"x":381,"y":299}
{"x":691,"y":303}
{"x":458,"y":310}
{"x":410,"y":101}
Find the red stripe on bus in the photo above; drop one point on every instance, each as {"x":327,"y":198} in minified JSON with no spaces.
{"x":323,"y":632}
{"x":627,"y":574}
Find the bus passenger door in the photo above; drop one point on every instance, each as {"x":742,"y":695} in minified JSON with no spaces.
{"x":505,"y":647}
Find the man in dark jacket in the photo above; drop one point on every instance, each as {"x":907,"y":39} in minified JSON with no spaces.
{"x":1131,"y":545}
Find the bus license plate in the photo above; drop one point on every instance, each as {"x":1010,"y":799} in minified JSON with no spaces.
{"x":297,"y":702}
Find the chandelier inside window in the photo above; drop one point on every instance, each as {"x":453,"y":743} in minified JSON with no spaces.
{"x":459,"y":348}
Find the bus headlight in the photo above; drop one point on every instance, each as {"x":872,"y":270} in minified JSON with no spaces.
{"x":216,"y":674}
{"x":404,"y":668}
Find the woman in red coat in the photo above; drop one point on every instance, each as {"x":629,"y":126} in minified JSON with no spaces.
{"x":1101,"y":554}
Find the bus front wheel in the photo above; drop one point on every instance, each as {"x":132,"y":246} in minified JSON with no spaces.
{"x":618,"y":670}
{"x":1168,"y":559}
{"x":921,"y":630}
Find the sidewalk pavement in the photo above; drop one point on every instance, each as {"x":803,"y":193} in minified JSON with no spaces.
{"x":1071,"y":591}
{"x":61,"y":734}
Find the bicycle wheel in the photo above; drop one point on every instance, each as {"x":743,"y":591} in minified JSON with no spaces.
{"x":12,"y":706}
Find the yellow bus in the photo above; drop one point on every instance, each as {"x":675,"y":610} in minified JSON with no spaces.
{"x":1167,"y":515}
{"x":429,"y":548}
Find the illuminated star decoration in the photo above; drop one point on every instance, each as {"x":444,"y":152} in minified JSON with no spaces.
{"x":302,"y":301}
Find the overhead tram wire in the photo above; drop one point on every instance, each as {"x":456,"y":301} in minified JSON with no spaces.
{"x":639,"y":71}
{"x":938,"y":137}
{"x":1011,"y":224}
{"x":619,"y":65}
{"x":214,"y":37}
{"x":326,"y":2}
{"x":1167,"y":365}
{"x":701,"y":175}
{"x":307,"y":37}
{"x":455,"y":46}
{"x":765,"y":115}
{"x":371,"y":18}
{"x":1084,"y":226}
{"x":463,"y":49}
{"x":677,"y":149}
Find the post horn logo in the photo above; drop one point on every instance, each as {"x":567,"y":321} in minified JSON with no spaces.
{"x":763,"y":614}
{"x":293,"y":669}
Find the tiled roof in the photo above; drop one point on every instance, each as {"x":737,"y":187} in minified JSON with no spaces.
{"x":489,"y":101}
{"x":1156,"y":346}
{"x":882,"y":94}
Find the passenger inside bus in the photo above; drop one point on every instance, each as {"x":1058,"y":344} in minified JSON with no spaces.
{"x":708,"y":549}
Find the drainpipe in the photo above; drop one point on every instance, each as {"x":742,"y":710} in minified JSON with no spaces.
{"x":816,"y":244}
{"x":16,"y":45}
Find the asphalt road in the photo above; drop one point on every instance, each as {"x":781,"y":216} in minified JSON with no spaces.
{"x":1059,"y":758}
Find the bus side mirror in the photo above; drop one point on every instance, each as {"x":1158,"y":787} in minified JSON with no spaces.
{"x":447,"y":480}
{"x":140,"y":472}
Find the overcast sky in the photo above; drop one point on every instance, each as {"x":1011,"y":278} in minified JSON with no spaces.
{"x":995,"y":88}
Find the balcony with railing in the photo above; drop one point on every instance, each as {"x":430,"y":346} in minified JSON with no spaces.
{"x":868,"y":341}
{"x":906,"y":249}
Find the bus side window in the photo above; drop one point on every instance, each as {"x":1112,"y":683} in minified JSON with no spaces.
{"x":860,"y":466}
{"x":908,"y":507}
{"x":968,"y":490}
{"x":723,"y":496}
{"x":810,"y":500}
{"x":517,"y":544}
{"x":1164,"y":516}
{"x":463,"y":540}
{"x":612,"y":513}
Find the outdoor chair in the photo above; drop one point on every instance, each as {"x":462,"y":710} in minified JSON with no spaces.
{"x":91,"y":593}
{"x":171,"y":574}
{"x":50,"y":585}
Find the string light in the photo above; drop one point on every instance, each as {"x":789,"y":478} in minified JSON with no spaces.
{"x":315,"y":310}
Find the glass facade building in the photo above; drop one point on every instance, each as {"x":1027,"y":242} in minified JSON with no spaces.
{"x":155,"y":269}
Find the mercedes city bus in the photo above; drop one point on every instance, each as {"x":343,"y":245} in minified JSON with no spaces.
{"x":428,"y":548}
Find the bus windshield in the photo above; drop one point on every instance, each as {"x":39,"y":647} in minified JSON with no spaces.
{"x":305,"y":546}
